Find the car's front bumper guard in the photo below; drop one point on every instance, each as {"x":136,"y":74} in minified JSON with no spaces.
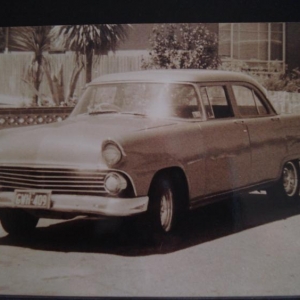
{"x":103,"y":206}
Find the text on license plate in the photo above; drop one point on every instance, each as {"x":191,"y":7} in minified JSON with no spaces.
{"x":32,"y":198}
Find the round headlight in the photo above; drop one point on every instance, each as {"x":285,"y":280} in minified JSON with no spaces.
{"x":114,"y":183}
{"x":112,"y":154}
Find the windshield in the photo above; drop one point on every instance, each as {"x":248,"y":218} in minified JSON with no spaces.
{"x":149,"y":99}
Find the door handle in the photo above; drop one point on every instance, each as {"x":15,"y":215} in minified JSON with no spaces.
{"x":275,"y":119}
{"x":239,"y":122}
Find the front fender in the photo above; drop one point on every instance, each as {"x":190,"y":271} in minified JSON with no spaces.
{"x":150,"y":151}
{"x":142,"y":168}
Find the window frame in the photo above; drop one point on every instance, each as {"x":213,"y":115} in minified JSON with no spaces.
{"x":227,"y":93}
{"x":260,"y":62}
{"x":76,"y":110}
{"x":260,"y":96}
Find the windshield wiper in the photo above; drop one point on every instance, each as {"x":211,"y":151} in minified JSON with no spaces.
{"x":133,"y":113}
{"x":98,"y":112}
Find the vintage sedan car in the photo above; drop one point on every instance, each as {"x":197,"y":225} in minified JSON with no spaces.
{"x":150,"y":143}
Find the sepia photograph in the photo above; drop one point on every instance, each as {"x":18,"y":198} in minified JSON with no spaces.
{"x":150,"y":159}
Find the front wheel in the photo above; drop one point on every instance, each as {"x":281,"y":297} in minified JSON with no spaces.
{"x":287,"y":188}
{"x":166,"y":204}
{"x":15,"y":221}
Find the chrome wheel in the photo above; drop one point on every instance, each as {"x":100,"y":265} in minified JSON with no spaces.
{"x":166,"y":210}
{"x":287,"y":188}
{"x":290,"y":179}
{"x":166,"y":204}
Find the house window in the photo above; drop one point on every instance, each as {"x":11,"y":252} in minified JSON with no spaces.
{"x":260,"y":45}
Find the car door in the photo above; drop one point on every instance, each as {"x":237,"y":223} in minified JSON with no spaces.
{"x":266,"y":132}
{"x":226,"y":142}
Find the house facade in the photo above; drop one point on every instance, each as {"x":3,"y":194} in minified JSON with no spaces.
{"x":261,"y":47}
{"x":258,"y":47}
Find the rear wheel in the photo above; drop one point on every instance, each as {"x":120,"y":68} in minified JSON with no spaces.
{"x":15,"y":221}
{"x":287,"y":188}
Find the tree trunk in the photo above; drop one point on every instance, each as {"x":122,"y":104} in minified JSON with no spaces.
{"x":60,"y":86}
{"x":89,"y":66}
{"x":56,"y":84}
{"x":37,"y":80}
{"x":50,"y":82}
{"x":73,"y":81}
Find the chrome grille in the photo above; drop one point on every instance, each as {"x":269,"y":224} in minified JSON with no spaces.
{"x":62,"y":181}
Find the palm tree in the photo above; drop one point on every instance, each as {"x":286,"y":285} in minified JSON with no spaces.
{"x":34,"y":39}
{"x":90,"y":40}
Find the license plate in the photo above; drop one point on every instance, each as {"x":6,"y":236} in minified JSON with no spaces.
{"x":32,"y":198}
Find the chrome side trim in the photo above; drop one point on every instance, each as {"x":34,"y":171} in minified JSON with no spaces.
{"x":201,"y":201}
{"x":194,"y":161}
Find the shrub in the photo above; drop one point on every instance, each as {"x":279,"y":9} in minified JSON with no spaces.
{"x":276,"y":81}
{"x":288,"y":82}
{"x":182,"y":46}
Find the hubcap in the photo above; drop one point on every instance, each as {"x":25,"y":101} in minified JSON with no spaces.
{"x":290,"y":179}
{"x":166,"y":210}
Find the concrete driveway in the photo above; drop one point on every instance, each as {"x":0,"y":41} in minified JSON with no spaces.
{"x":253,"y":251}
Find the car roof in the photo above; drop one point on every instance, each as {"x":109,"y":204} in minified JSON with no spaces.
{"x":186,"y":75}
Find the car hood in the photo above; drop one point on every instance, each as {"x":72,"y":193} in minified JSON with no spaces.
{"x":75,"y":142}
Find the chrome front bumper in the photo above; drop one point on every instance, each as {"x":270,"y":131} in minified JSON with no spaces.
{"x":102,"y":206}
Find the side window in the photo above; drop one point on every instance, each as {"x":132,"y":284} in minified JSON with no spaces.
{"x":248,"y":102}
{"x":260,"y":107}
{"x":207,"y":106}
{"x":215,"y":102}
{"x":184,"y":100}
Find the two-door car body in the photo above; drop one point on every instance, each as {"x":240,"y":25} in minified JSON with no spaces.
{"x":154,"y":143}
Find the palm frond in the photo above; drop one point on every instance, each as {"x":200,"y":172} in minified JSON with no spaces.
{"x":34,"y":38}
{"x":98,"y":37}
